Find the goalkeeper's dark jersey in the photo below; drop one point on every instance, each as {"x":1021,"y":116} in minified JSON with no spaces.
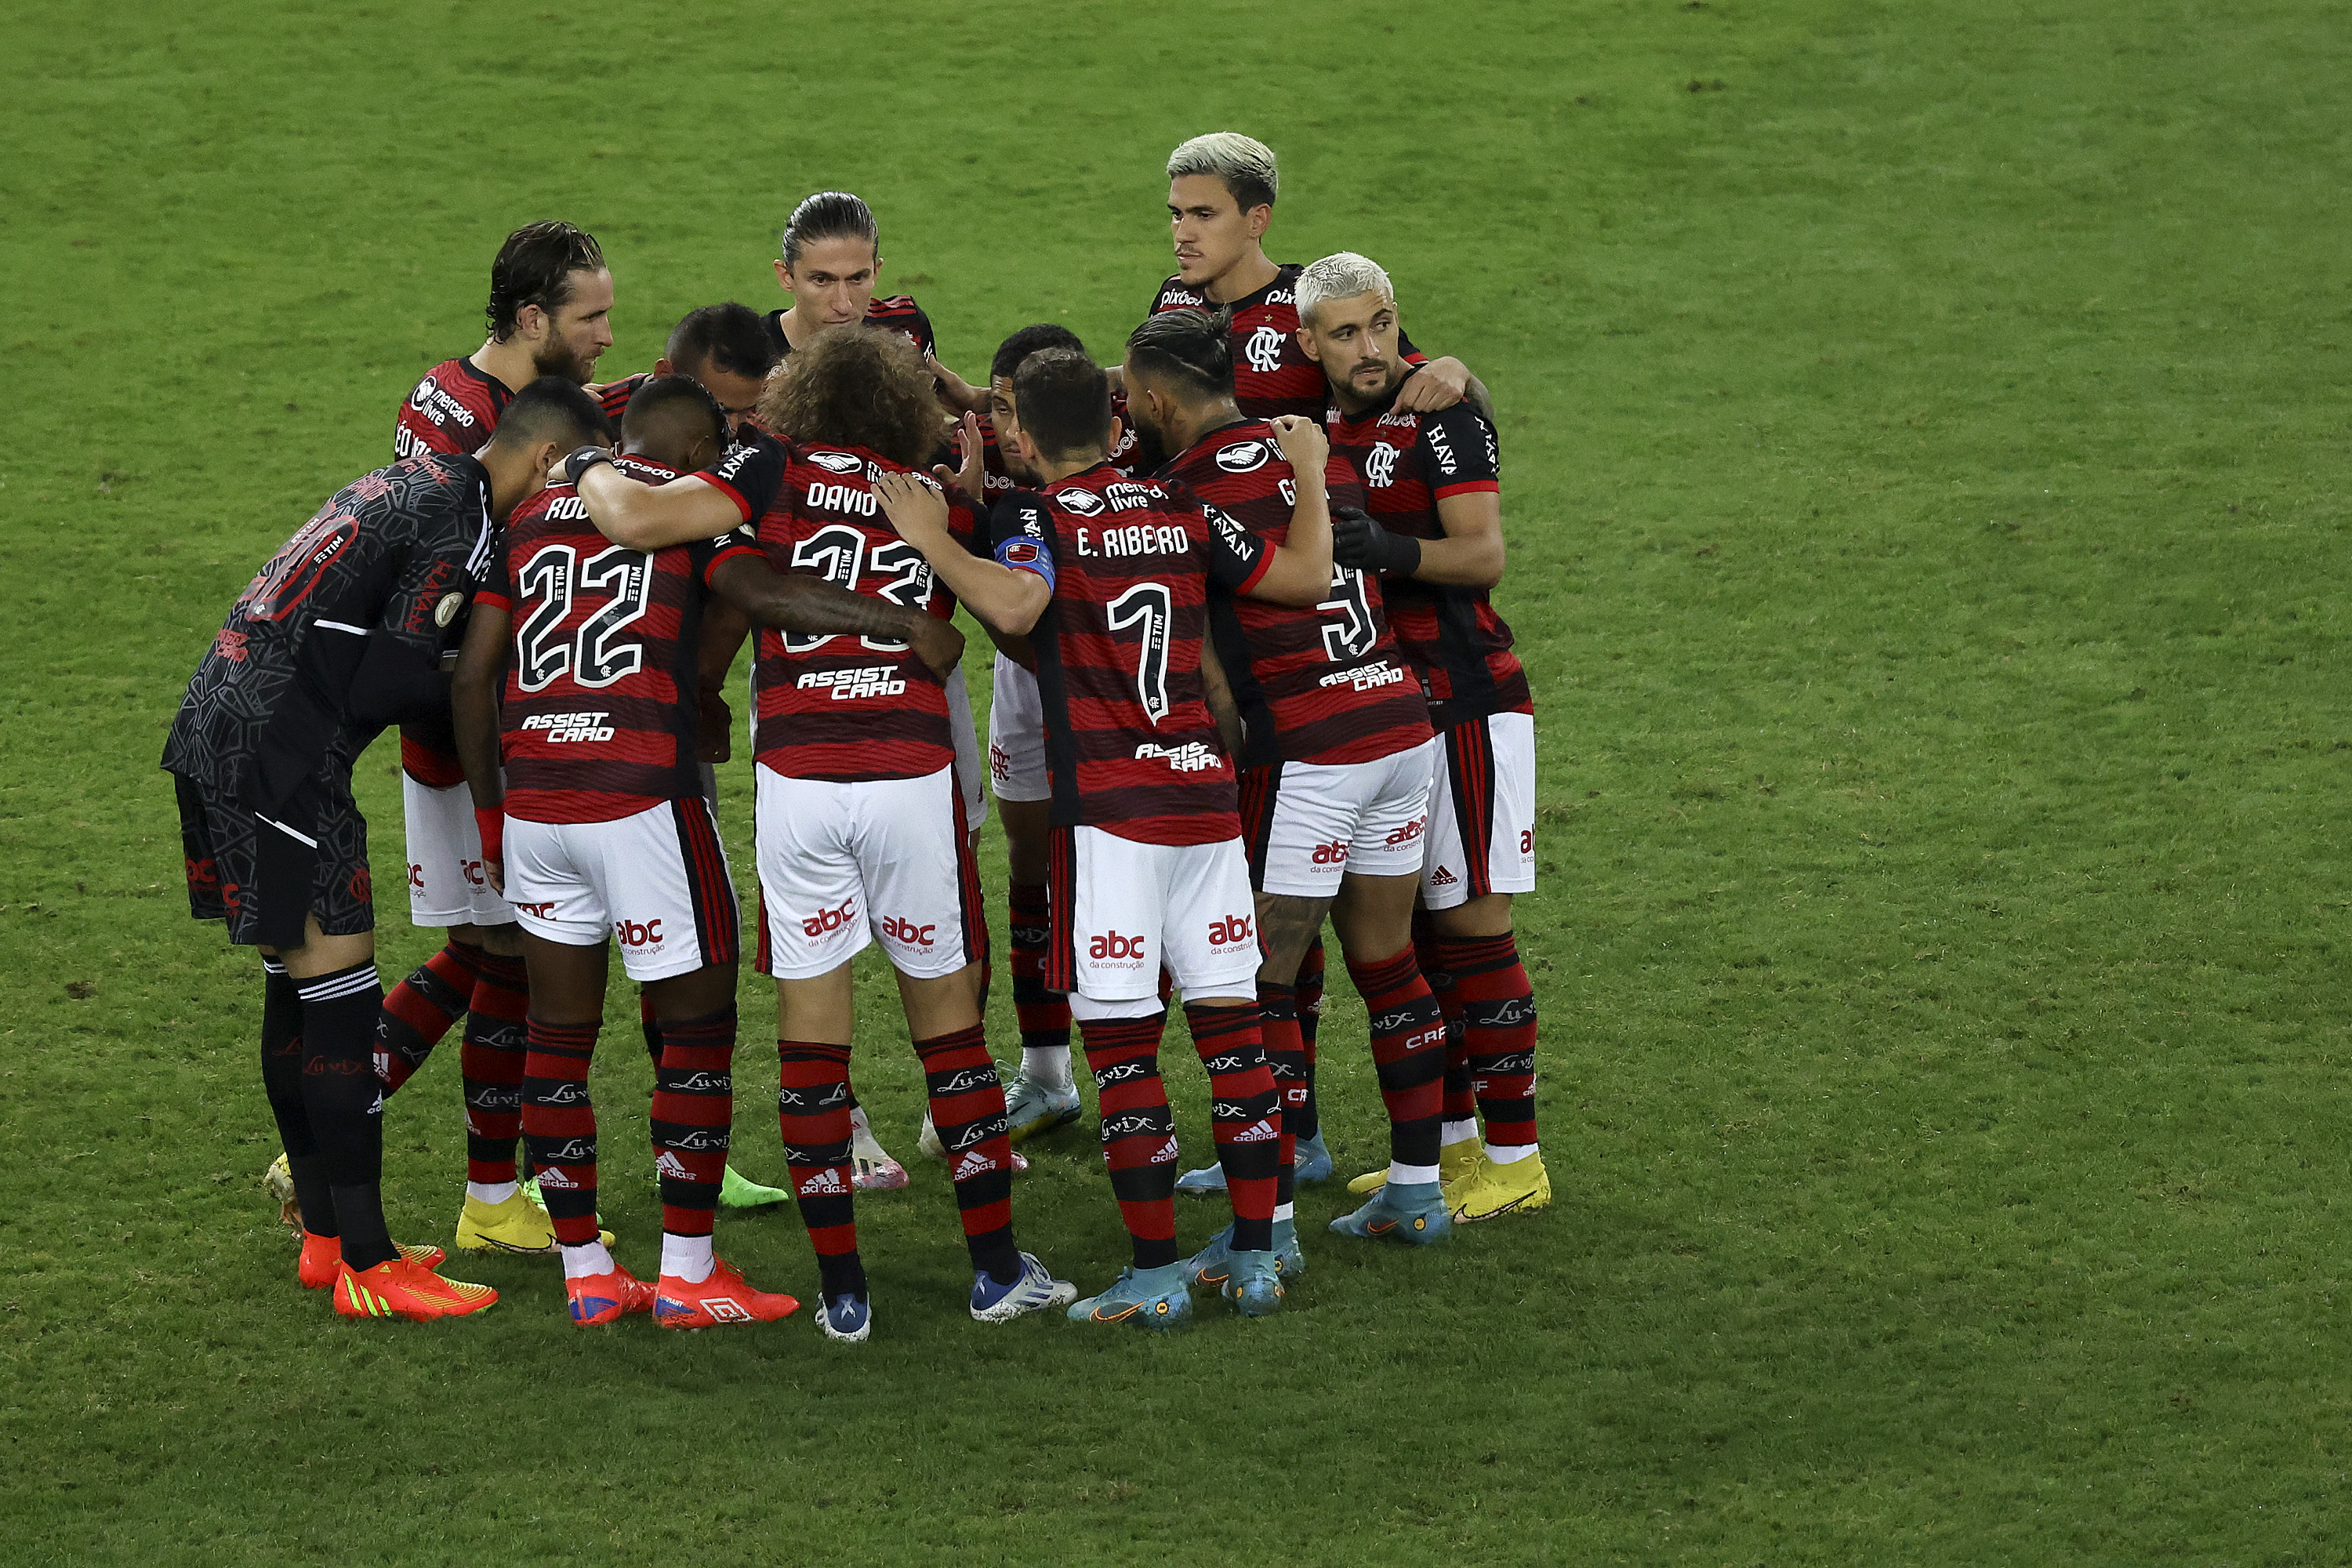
{"x":398,"y":553}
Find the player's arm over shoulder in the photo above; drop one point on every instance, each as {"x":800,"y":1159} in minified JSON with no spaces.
{"x":1462,"y":461}
{"x":732,"y":491}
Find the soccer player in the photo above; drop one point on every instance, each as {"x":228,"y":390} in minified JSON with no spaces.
{"x":579,"y":675}
{"x":550,"y":315}
{"x":861,"y":833}
{"x":829,"y":264}
{"x":1221,"y":193}
{"x":725,"y":347}
{"x":1435,"y":535}
{"x":1336,"y":761}
{"x":1108,"y":578}
{"x":340,"y":634}
{"x":1040,"y":1095}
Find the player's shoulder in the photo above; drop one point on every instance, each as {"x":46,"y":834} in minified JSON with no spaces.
{"x":1247,"y":447}
{"x":900,"y":313}
{"x":1176,"y":295}
{"x":614,"y":395}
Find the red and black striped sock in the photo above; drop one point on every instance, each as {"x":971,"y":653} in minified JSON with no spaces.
{"x":1244,"y":1115}
{"x":694,"y":1106}
{"x":1498,"y":1018}
{"x":421,"y":1010}
{"x":1461,"y":1105}
{"x":1286,"y":1057}
{"x":1308,"y":987}
{"x":1409,"y":1052}
{"x":813,"y":1111}
{"x":1045,"y":1014}
{"x":968,"y":1113}
{"x":1137,"y":1131}
{"x":490,"y":1064}
{"x":558,"y":1125}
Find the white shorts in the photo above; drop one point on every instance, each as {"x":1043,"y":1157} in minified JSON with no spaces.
{"x":1122,"y":911}
{"x":842,"y":865}
{"x":1016,"y":736}
{"x":1482,"y":813}
{"x":967,"y":750}
{"x":445,"y":885}
{"x":656,"y":882}
{"x":1309,"y":824}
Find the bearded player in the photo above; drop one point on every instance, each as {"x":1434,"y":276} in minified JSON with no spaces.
{"x":1435,"y":536}
{"x":861,"y":837}
{"x":1335,"y":761}
{"x":340,"y":634}
{"x":1107,"y":577}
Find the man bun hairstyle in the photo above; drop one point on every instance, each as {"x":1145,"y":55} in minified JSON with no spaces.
{"x":857,"y":385}
{"x":1340,"y":276}
{"x":534,"y":267}
{"x":1189,"y":352}
{"x":828,"y":215}
{"x":668,"y":414}
{"x":1064,"y":401}
{"x":553,"y":409}
{"x":1245,"y":163}
{"x":730,"y":336}
{"x":1029,"y":340}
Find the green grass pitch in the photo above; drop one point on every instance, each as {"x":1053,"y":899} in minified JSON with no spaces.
{"x":1925,"y":446}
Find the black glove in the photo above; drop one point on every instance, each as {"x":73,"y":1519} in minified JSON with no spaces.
{"x":581,"y":460}
{"x":1360,"y":542}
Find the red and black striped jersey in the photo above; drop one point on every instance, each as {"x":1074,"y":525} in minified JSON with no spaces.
{"x":999,"y":483}
{"x":898,"y":312}
{"x":597,"y":721}
{"x":844,"y":708}
{"x":1410,"y":462}
{"x":453,"y":408}
{"x":1130,"y":747}
{"x":1326,"y":684}
{"x":614,"y":395}
{"x":1272,"y":373}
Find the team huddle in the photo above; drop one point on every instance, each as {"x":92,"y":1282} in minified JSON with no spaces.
{"x":1248,"y":680}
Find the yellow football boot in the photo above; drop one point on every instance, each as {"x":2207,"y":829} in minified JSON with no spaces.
{"x":517,"y":1225}
{"x":1455,"y":1160}
{"x":1491,"y":1191}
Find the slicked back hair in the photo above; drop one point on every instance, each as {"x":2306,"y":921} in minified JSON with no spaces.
{"x":556,"y":409}
{"x":1027,"y":342}
{"x":1343,"y":274}
{"x":1189,"y":352}
{"x":857,"y":385}
{"x":667,"y":415}
{"x":1245,"y":163}
{"x":534,"y":267}
{"x":730,"y":336}
{"x":828,"y":215}
{"x":1064,"y":401}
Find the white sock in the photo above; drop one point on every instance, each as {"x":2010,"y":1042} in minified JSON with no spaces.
{"x":1282,"y":1211}
{"x":1048,"y":1066}
{"x":1509,"y":1153}
{"x":1452,"y":1133}
{"x":491,"y":1192}
{"x":589,"y":1257}
{"x":1404,"y":1176}
{"x":686,"y":1257}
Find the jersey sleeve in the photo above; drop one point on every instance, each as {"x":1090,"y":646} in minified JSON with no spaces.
{"x":924,"y":338}
{"x":741,"y":540}
{"x":1410,"y":354}
{"x":1237,"y":558}
{"x":498,"y":583}
{"x":615,"y":396}
{"x":1024,"y":534}
{"x":750,"y":473}
{"x":1458,"y":448}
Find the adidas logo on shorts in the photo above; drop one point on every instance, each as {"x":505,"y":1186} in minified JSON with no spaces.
{"x":1443,"y":878}
{"x":974,"y":1163}
{"x":825,"y":1182}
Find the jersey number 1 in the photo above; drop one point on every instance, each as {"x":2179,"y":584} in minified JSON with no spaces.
{"x":1146,"y":610}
